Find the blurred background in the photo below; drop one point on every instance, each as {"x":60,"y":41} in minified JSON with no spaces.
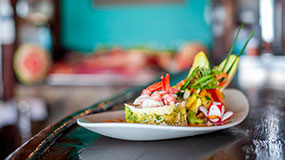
{"x":59,"y":56}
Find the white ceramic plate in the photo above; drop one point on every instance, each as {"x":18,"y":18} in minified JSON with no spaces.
{"x":235,"y":101}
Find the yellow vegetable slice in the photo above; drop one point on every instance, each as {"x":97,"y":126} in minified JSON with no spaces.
{"x":233,"y":70}
{"x":193,"y":103}
{"x":200,"y":60}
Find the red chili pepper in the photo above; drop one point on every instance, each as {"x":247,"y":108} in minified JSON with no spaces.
{"x":163,"y":83}
{"x":167,"y":82}
{"x":191,"y":91}
{"x":217,"y":95}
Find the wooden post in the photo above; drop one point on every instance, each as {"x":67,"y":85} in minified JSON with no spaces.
{"x":7,"y":63}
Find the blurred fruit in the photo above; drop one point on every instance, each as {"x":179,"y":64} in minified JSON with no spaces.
{"x":31,"y":63}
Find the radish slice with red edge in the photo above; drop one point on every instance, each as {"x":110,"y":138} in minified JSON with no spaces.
{"x":227,"y":115}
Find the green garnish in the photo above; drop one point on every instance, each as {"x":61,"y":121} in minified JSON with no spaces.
{"x":211,"y":87}
{"x":207,"y":98}
{"x":230,"y":52}
{"x":189,"y":79}
{"x":252,"y":32}
{"x":192,"y":119}
{"x":203,"y":79}
{"x":211,"y":81}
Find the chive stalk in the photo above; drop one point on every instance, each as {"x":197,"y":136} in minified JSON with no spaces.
{"x":252,"y":32}
{"x":203,"y":79}
{"x":211,"y":87}
{"x":207,"y":82}
{"x":230,"y":52}
{"x":189,"y":79}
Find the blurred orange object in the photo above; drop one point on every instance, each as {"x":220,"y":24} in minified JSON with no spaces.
{"x":113,"y":61}
{"x":182,"y":60}
{"x":62,"y":68}
{"x":185,"y":56}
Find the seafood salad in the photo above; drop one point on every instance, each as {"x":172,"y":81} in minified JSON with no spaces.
{"x":158,"y":104}
{"x":196,"y":100}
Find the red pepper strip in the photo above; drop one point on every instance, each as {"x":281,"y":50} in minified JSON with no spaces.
{"x":219,"y":78}
{"x":154,"y":87}
{"x":220,"y":95}
{"x":217,"y":95}
{"x":163,"y":83}
{"x":167,"y":83}
{"x":191,"y":91}
{"x":213,"y":94}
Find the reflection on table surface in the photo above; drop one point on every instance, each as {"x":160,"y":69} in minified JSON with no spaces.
{"x":260,"y":136}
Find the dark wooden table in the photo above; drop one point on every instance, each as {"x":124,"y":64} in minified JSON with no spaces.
{"x":260,"y":136}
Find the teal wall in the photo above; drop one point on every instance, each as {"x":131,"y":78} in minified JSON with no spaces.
{"x":159,"y":26}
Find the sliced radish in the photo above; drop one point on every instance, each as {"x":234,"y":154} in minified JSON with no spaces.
{"x":227,"y":115}
{"x":215,"y":120}
{"x":203,"y":110}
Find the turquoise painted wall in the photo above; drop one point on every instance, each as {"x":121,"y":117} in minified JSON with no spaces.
{"x":159,"y":26}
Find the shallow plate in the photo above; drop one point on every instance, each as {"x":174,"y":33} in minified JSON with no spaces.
{"x":235,"y":101}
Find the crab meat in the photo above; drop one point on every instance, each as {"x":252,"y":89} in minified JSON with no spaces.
{"x":168,"y":98}
{"x":151,"y":103}
{"x":158,"y":94}
{"x":140,"y":99}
